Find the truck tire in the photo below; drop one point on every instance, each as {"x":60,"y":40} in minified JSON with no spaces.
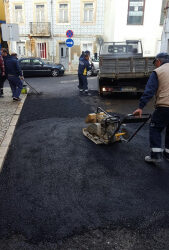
{"x":101,"y":93}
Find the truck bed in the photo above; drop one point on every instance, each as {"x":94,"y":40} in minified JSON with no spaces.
{"x":131,"y":67}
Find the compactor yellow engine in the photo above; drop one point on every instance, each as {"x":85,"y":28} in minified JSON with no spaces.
{"x":104,"y":128}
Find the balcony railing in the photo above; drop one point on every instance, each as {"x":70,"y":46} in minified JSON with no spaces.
{"x":40,"y":29}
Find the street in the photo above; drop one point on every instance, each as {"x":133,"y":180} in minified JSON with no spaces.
{"x":58,"y":190}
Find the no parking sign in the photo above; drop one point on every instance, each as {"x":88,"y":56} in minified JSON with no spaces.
{"x":69,"y":33}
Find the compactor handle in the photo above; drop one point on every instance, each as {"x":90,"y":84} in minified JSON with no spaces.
{"x":130,"y":118}
{"x":135,"y":119}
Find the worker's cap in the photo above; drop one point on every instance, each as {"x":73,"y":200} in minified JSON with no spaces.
{"x":161,"y":56}
{"x":87,"y":53}
{"x":13,"y":54}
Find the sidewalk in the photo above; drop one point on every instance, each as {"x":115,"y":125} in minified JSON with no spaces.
{"x":9,"y":114}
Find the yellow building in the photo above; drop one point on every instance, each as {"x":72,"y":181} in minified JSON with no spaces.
{"x":2,"y":20}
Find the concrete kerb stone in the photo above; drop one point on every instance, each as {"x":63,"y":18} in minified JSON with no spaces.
{"x":5,"y":144}
{"x":71,"y":72}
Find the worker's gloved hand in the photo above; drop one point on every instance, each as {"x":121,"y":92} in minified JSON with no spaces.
{"x":21,"y":77}
{"x":138,"y":112}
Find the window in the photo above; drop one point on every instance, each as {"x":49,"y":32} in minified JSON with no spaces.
{"x":61,"y":52}
{"x":88,"y":46}
{"x":88,"y":12}
{"x":37,"y":62}
{"x":20,"y":49}
{"x":40,"y":13}
{"x":18,"y":13}
{"x":63,"y":13}
{"x":135,"y":12}
{"x":25,"y":62}
{"x":164,"y":4}
{"x":41,"y":50}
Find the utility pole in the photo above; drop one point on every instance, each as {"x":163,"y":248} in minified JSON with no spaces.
{"x":52,"y":36}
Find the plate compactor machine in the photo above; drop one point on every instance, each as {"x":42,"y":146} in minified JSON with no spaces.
{"x":104,"y":128}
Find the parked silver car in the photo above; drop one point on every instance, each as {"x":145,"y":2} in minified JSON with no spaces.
{"x":95,"y":67}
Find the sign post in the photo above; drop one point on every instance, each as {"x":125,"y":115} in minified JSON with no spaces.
{"x":69,"y":42}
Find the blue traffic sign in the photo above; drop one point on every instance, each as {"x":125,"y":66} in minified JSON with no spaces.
{"x":69,"y":33}
{"x":69,"y":43}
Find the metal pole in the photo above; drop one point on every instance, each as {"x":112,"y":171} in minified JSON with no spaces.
{"x":10,"y":37}
{"x":52,"y":31}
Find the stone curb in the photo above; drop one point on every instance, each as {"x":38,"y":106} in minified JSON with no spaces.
{"x":5,"y":144}
{"x":70,"y":73}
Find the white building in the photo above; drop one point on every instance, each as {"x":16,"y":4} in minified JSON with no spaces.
{"x":43,"y":25}
{"x":135,"y":20}
{"x":165,"y":34}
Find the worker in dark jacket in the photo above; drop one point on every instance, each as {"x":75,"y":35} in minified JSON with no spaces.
{"x":84,"y":66}
{"x":5,"y":55}
{"x":79,"y":75}
{"x":14,"y":77}
{"x":158,"y":84}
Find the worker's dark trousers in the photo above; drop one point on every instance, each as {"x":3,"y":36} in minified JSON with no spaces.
{"x":83,"y":83}
{"x":159,"y":122}
{"x":2,"y":80}
{"x":16,"y":85}
{"x":80,"y":86}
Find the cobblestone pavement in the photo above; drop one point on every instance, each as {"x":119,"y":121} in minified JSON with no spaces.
{"x":7,"y":110}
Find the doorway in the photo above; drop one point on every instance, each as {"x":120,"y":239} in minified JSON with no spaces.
{"x":64,"y":55}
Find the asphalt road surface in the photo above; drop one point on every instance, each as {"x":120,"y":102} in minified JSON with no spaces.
{"x":58,"y":190}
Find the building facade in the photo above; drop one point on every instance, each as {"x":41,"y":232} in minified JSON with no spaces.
{"x":43,"y":25}
{"x":2,"y":20}
{"x":135,"y":20}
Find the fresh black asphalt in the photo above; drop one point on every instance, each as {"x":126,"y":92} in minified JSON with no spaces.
{"x":56,"y":186}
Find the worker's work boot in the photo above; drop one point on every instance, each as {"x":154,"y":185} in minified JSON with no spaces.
{"x":80,"y":91}
{"x":16,"y":99}
{"x":87,"y":93}
{"x":154,"y":157}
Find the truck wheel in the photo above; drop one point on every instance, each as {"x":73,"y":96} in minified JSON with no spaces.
{"x":101,"y":94}
{"x":100,"y":91}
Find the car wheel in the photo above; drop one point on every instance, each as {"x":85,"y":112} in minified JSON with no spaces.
{"x":55,"y":72}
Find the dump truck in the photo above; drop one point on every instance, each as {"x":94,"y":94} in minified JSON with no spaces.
{"x":123,"y":67}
